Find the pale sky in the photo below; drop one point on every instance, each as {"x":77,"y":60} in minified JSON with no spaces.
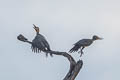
{"x":62,"y":22}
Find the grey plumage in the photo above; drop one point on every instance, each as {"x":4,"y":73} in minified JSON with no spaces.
{"x":39,"y":43}
{"x":81,"y":44}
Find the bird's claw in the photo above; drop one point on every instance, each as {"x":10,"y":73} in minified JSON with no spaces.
{"x":81,"y":53}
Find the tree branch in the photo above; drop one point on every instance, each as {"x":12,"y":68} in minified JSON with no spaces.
{"x":74,"y":66}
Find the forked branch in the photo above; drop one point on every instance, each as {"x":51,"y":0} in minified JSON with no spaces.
{"x":74,"y":66}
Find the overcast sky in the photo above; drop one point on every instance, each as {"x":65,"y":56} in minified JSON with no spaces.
{"x":62,"y":22}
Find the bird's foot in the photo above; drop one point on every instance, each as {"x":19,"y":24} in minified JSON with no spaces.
{"x":81,"y":53}
{"x":46,"y":55}
{"x":51,"y":55}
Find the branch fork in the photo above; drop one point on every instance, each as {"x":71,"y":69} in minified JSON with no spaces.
{"x":75,"y":67}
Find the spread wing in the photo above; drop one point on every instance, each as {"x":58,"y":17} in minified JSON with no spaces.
{"x":40,"y":44}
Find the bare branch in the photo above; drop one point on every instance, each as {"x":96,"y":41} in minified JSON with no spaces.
{"x":74,"y":66}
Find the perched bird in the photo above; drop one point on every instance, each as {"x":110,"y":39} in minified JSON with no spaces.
{"x":39,"y":43}
{"x":81,"y":44}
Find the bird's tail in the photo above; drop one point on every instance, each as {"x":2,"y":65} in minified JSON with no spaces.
{"x":74,"y":49}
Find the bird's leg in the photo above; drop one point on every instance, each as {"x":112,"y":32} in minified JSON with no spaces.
{"x":82,"y":51}
{"x":46,"y":54}
{"x":79,"y":51}
{"x":51,"y":55}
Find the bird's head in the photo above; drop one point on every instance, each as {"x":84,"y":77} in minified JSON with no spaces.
{"x":96,"y":38}
{"x":36,"y":28}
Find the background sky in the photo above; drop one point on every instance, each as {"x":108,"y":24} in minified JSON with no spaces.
{"x":62,"y":22}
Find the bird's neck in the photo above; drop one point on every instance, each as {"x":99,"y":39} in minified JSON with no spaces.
{"x":37,"y":33}
{"x":93,"y":39}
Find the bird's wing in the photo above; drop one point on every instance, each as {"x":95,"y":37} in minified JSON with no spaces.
{"x":84,"y":42}
{"x":36,"y":43}
{"x":44,"y":41}
{"x":40,"y":42}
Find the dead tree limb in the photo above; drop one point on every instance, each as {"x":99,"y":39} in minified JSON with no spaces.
{"x":74,"y":66}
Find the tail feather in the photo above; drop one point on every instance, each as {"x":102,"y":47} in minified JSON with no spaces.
{"x":74,"y":49}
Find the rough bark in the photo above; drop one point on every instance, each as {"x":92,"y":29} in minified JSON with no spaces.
{"x":74,"y":66}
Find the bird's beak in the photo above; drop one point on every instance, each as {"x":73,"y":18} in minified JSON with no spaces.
{"x":34,"y":26}
{"x":100,"y":38}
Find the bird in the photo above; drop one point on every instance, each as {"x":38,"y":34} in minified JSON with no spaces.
{"x":81,"y":44}
{"x":39,"y":43}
